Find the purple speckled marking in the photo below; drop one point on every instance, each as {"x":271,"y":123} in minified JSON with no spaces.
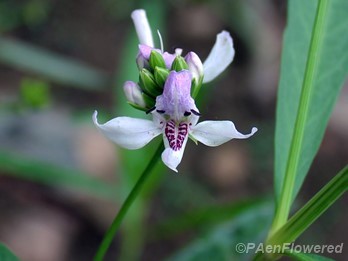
{"x":176,"y":134}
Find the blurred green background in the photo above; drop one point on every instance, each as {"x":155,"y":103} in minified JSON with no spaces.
{"x":61,"y":182}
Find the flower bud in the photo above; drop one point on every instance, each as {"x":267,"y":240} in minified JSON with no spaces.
{"x":144,"y":56}
{"x":195,"y":66}
{"x":156,"y":60}
{"x":148,"y":84}
{"x":149,"y":101}
{"x":134,"y":94}
{"x":161,"y":75}
{"x":179,"y":64}
{"x":142,"y":62}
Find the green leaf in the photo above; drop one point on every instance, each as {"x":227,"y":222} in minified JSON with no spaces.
{"x":248,"y":227}
{"x":313,"y":209}
{"x":35,"y":93}
{"x":300,"y":126}
{"x":6,"y":254}
{"x":202,"y":218}
{"x":53,"y":175}
{"x":55,"y":67}
{"x":307,"y":257}
{"x":330,"y":74}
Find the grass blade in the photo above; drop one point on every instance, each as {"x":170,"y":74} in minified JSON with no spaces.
{"x":310,"y":212}
{"x":47,"y":64}
{"x":53,"y":175}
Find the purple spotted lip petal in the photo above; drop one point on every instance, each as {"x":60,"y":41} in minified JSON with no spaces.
{"x":176,"y":134}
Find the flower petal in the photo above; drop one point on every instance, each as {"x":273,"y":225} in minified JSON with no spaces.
{"x":168,"y":58}
{"x":142,"y":27}
{"x":215,"y":133}
{"x":176,"y":99}
{"x":219,"y":58}
{"x":172,"y":158}
{"x":145,"y":51}
{"x":129,"y":133}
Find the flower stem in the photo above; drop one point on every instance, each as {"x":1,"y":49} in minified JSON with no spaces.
{"x":105,"y":244}
{"x":284,"y":205}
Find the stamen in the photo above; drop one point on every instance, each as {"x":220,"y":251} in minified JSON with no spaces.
{"x":150,"y":110}
{"x":196,"y":113}
{"x":187,"y":113}
{"x":161,"y":41}
{"x":160,"y":111}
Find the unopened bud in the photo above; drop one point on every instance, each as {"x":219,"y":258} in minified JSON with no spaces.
{"x":142,"y":62}
{"x":149,"y":101}
{"x":148,"y":83}
{"x":134,"y":94}
{"x":195,"y":66}
{"x":179,"y":64}
{"x":161,"y":75}
{"x":156,"y":60}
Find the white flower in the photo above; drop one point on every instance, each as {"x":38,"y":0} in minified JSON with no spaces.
{"x":219,"y":58}
{"x":175,"y":116}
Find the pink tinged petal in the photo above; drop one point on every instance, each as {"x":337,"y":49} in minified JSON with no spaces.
{"x":129,"y":133}
{"x":145,"y":51}
{"x":144,"y":56}
{"x":168,"y":58}
{"x":176,"y":98}
{"x":175,"y":138}
{"x":142,"y":27}
{"x":195,"y":65}
{"x":220,"y":56}
{"x":215,"y":133}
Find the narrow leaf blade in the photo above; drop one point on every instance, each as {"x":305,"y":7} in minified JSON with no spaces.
{"x":331,"y":73}
{"x":307,"y":257}
{"x":314,"y":208}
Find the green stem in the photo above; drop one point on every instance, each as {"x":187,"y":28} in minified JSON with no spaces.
{"x":308,"y":214}
{"x":313,"y":209}
{"x":105,"y":244}
{"x":284,"y":204}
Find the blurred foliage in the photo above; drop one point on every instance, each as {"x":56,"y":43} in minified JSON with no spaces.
{"x":307,"y":257}
{"x":53,"y":66}
{"x":248,"y":226}
{"x":35,"y":93}
{"x":16,"y":13}
{"x":6,"y":254}
{"x":53,"y":175}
